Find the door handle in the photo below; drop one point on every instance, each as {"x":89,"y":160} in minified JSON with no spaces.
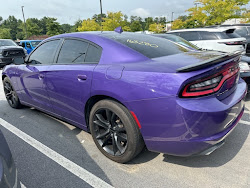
{"x":82,"y":77}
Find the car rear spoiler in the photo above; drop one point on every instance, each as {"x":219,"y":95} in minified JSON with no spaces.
{"x":209,"y":62}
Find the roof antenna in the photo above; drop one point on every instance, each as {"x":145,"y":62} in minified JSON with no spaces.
{"x":101,"y":15}
{"x":119,"y":29}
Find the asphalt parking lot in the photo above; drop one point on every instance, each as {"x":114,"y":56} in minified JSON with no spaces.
{"x":51,"y":153}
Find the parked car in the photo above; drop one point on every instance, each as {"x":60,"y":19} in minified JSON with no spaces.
{"x":131,"y":89}
{"x":244,"y":63}
{"x":9,"y":50}
{"x":178,"y":40}
{"x":8,"y":171}
{"x":29,"y":45}
{"x":243,"y":30}
{"x":219,"y":39}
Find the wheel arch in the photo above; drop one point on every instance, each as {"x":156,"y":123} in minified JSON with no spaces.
{"x":92,"y":101}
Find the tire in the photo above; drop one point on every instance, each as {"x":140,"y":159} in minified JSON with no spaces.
{"x":115,"y":131}
{"x":10,"y":94}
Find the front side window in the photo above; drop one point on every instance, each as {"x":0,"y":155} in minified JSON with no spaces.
{"x":45,"y":53}
{"x":28,"y":45}
{"x":73,"y":51}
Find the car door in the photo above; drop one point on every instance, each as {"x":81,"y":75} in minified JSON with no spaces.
{"x":68,"y":81}
{"x":31,"y":76}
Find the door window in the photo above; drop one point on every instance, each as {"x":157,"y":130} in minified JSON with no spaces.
{"x":242,"y":31}
{"x":45,"y":53}
{"x":190,"y":35}
{"x":28,"y":45}
{"x":208,"y":35}
{"x":73,"y":52}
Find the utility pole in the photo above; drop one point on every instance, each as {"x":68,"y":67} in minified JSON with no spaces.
{"x":101,"y":14}
{"x":172,"y":19}
{"x":24,"y":23}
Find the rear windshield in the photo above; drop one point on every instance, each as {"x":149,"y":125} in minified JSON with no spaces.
{"x":150,"y":46}
{"x":223,"y":35}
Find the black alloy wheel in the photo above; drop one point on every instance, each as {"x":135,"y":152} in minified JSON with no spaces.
{"x":114,"y":131}
{"x":110,"y":132}
{"x":10,"y":94}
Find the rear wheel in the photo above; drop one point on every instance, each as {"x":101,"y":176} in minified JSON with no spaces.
{"x":10,"y":94}
{"x":115,"y":131}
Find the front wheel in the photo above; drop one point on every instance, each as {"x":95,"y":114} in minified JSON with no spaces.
{"x":10,"y":94}
{"x":115,"y":131}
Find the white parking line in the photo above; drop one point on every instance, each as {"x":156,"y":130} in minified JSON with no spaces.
{"x":80,"y":172}
{"x":245,"y":122}
{"x":22,"y":185}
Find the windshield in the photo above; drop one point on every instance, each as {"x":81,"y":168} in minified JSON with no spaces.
{"x":150,"y":46}
{"x":35,"y":43}
{"x":7,"y":43}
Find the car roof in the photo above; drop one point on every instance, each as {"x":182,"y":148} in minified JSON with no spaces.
{"x":217,"y":29}
{"x":29,"y":40}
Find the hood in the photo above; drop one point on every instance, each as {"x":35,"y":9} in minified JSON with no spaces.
{"x":3,"y":48}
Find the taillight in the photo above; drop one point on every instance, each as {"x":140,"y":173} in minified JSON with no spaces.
{"x":209,"y":84}
{"x":234,"y":43}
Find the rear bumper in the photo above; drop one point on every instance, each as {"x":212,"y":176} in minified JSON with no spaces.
{"x":185,"y":127}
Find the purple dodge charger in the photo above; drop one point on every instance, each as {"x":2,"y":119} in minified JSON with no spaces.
{"x":130,"y":90}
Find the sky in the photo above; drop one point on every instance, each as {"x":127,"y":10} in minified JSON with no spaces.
{"x":69,"y":11}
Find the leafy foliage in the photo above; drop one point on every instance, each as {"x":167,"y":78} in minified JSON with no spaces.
{"x":210,"y":12}
{"x":89,"y":25}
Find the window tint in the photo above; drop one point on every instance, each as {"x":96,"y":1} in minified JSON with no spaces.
{"x":72,"y":51}
{"x":223,"y":35}
{"x":190,"y":35}
{"x":242,"y":31}
{"x":93,"y":54}
{"x":147,"y":45}
{"x":248,"y":28}
{"x":45,"y":53}
{"x":208,"y":35}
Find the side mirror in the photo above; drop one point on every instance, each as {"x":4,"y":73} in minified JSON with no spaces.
{"x":18,"y":61}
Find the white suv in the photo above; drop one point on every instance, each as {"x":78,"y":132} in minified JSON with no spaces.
{"x":219,"y":39}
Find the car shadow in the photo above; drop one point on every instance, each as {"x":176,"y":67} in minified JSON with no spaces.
{"x":60,"y":137}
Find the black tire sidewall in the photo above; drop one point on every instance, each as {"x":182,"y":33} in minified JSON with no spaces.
{"x":17,"y":103}
{"x":134,"y":143}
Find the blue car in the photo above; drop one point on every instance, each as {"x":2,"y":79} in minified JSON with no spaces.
{"x":29,"y":45}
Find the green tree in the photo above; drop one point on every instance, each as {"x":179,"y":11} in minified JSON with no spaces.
{"x":211,"y":12}
{"x":98,"y":18}
{"x":148,"y":22}
{"x":77,"y":24}
{"x":89,"y":25}
{"x":113,"y":20}
{"x":66,"y":28}
{"x":5,"y":33}
{"x":32,"y":27}
{"x":136,"y":26}
{"x":157,"y":28}
{"x":11,"y":23}
{"x":53,"y":27}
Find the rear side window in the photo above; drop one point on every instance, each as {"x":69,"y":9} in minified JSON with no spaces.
{"x":190,"y":35}
{"x":44,"y":54}
{"x":72,"y":51}
{"x":248,"y":28}
{"x":93,"y":54}
{"x":149,"y":46}
{"x":208,"y":35}
{"x":242,"y":31}
{"x":223,"y":35}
